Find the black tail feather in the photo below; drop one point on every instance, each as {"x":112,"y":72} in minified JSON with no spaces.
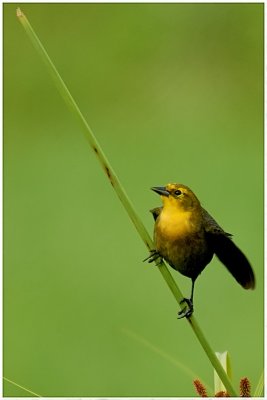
{"x":234,"y":260}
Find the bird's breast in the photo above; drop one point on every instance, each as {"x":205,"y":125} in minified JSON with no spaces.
{"x":180,"y":239}
{"x":177,"y":224}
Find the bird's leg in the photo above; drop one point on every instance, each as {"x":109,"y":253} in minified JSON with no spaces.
{"x":192,"y":290}
{"x":187,"y":311}
{"x":154,"y":255}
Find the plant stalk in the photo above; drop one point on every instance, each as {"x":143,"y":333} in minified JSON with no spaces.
{"x":111,"y":175}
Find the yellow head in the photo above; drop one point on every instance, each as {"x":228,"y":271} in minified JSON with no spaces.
{"x":177,"y":196}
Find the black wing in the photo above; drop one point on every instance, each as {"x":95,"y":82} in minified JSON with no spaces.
{"x":228,"y":253}
{"x":155,"y":212}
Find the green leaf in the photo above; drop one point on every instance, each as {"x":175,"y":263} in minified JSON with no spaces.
{"x":224,"y":359}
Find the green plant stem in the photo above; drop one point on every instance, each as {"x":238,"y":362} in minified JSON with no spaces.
{"x":121,"y":194}
{"x":259,"y":392}
{"x":190,"y":373}
{"x":22,"y":387}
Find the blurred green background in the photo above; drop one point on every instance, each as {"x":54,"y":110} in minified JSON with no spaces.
{"x":174,"y":93}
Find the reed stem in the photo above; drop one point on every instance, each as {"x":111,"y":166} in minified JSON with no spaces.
{"x":114,"y":180}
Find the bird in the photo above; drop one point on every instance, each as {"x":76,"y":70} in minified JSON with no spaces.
{"x":187,"y":237}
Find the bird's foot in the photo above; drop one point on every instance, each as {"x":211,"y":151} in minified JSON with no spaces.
{"x":187,"y":311}
{"x":154,"y":255}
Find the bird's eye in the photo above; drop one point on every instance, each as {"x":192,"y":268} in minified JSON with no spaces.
{"x":177,"y":192}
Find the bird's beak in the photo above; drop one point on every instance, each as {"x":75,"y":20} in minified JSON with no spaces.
{"x":161,"y":190}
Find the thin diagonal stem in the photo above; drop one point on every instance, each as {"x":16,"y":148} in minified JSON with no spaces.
{"x":21,"y":387}
{"x":192,"y":374}
{"x":259,"y":391}
{"x":121,"y":194}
